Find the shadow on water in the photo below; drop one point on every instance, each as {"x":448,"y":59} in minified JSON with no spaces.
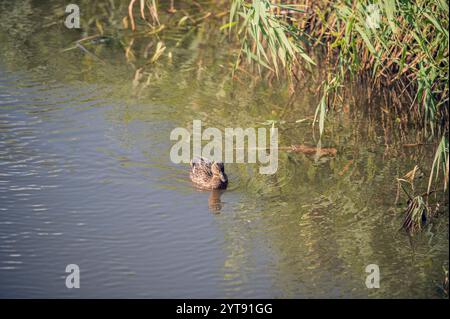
{"x":86,"y":176}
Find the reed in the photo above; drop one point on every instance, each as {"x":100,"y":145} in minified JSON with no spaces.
{"x":398,"y":45}
{"x":267,"y":38}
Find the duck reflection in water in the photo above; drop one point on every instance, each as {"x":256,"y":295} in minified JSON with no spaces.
{"x":214,"y":202}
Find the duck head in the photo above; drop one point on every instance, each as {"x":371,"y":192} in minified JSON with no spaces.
{"x":218,"y":170}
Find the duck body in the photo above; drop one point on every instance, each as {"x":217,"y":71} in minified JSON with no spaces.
{"x":207,"y":174}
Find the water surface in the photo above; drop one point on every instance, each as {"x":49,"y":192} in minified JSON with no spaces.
{"x":86,"y":178}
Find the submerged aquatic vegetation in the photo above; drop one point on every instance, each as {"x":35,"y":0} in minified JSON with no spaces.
{"x":143,"y":5}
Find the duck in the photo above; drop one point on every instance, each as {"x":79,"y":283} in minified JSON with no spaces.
{"x":207,"y":174}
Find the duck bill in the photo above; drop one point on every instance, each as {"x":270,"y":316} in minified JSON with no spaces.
{"x":223,"y":178}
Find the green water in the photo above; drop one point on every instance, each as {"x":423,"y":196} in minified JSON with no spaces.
{"x":86,"y":178}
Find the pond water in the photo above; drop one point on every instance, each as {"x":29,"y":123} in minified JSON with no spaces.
{"x":86,"y":178}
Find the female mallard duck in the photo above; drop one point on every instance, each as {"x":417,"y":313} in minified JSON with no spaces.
{"x":208,"y":175}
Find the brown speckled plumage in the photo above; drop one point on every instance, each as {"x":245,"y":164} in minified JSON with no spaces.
{"x":208,"y":175}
